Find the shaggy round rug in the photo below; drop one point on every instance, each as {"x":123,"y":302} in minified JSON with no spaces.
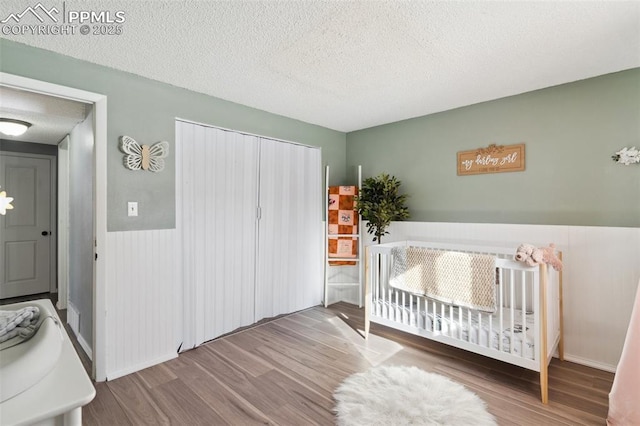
{"x":407,"y":396}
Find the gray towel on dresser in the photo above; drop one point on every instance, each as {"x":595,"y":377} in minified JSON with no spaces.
{"x":21,"y":322}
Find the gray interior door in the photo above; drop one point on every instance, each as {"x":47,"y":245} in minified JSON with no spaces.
{"x":25,"y":231}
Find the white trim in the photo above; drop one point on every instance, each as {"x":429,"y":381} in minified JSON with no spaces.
{"x":63,"y":223}
{"x":46,"y":88}
{"x":85,"y":346}
{"x":73,"y":320}
{"x":197,"y":123}
{"x":590,"y":363}
{"x":100,"y":210}
{"x":53,"y":225}
{"x":141,"y":366}
{"x":100,"y":225}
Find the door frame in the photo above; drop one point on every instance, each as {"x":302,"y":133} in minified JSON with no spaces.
{"x":53,"y":216}
{"x":63,"y":222}
{"x":99,"y":102}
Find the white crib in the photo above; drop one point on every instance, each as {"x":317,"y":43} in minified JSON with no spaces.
{"x":525,"y":330}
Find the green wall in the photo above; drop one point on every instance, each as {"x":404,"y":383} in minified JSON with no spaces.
{"x":146,"y":110}
{"x":570,"y":131}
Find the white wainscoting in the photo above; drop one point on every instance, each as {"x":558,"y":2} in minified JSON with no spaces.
{"x":142,"y":299}
{"x":601,"y":272}
{"x":602,"y":268}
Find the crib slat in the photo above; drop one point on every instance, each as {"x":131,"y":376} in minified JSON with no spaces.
{"x":403,"y":310}
{"x":560,"y":317}
{"x":490,"y":336}
{"x":434,"y":313}
{"x":451,"y":321}
{"x":512,"y":345}
{"x":544,"y":377}
{"x":395,"y":311}
{"x":383,"y":289}
{"x":376,"y":261}
{"x":500,"y":340}
{"x":367,"y":294}
{"x":523,"y":308}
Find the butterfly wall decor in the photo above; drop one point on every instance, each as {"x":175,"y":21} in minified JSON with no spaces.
{"x":143,"y":157}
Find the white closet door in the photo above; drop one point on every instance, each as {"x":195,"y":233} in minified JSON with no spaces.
{"x":217,"y":205}
{"x":290,"y":231}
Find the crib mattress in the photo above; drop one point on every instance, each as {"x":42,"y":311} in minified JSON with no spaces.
{"x":461,"y":325}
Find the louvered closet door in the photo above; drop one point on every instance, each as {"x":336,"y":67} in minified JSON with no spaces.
{"x":290,"y":229}
{"x":217,"y":202}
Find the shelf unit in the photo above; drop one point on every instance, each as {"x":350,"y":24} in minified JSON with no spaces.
{"x":349,"y":281}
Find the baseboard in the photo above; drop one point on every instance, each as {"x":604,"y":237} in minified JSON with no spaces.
{"x":132,"y":369}
{"x":73,"y":318}
{"x":590,"y":363}
{"x":85,"y":346}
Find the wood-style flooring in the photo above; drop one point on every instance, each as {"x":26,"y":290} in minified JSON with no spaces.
{"x":285,"y":371}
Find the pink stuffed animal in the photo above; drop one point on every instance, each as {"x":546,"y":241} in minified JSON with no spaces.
{"x":550,"y":258}
{"x":532,"y":256}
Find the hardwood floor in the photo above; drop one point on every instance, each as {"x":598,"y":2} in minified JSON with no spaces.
{"x":285,"y":371}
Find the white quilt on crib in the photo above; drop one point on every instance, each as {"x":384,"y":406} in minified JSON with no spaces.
{"x":457,"y":278}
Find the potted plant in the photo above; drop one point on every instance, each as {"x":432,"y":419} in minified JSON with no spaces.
{"x":379,"y":203}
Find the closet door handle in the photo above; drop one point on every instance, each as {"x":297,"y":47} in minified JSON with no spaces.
{"x":45,"y":233}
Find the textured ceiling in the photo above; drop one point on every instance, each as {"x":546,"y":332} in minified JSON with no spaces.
{"x":348,"y":65}
{"x":51,"y":118}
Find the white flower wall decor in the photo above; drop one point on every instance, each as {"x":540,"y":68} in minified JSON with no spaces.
{"x":143,"y":157}
{"x":627,"y":156}
{"x":5,"y":203}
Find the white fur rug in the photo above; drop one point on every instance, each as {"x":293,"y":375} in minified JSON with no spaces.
{"x":407,"y":396}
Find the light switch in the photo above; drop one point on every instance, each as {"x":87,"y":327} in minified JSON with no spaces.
{"x":132,"y":208}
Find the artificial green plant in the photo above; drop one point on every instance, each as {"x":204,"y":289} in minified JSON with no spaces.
{"x":380,"y":202}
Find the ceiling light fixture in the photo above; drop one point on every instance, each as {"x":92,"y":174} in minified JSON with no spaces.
{"x":11,"y":127}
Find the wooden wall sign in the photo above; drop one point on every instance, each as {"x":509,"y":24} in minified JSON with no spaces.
{"x":492,"y":159}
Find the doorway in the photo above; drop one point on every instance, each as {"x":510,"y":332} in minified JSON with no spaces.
{"x":99,"y":159}
{"x":27,"y":244}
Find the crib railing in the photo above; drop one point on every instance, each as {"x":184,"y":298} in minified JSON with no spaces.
{"x":525,"y":329}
